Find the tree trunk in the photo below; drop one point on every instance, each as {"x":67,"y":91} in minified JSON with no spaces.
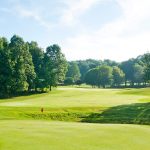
{"x":50,"y":88}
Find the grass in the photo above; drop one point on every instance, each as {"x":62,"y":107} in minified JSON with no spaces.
{"x":78,"y":104}
{"x":39,"y":135}
{"x":22,"y":122}
{"x":127,"y":114}
{"x":74,"y":97}
{"x":67,"y":104}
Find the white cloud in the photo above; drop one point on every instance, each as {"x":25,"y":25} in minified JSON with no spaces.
{"x":128,"y":36}
{"x":18,"y":9}
{"x":33,"y":15}
{"x":75,"y":8}
{"x":119,"y":39}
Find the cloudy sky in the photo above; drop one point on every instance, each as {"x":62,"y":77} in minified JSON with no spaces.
{"x":99,"y":29}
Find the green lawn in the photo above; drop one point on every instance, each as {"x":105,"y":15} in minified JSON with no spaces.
{"x":44,"y":135}
{"x":24,"y":127}
{"x":75,"y":97}
{"x":65,"y":104}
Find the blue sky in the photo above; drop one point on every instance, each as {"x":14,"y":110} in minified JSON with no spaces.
{"x":98,"y":29}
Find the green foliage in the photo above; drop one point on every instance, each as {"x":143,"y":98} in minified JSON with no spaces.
{"x":109,"y":63}
{"x":22,"y":66}
{"x":73,"y":71}
{"x":127,"y":67}
{"x":37,"y":57}
{"x":25,"y":67}
{"x":105,"y":76}
{"x":86,"y":65}
{"x":83,"y":67}
{"x":100,"y":76}
{"x":55,"y":66}
{"x":5,"y":68}
{"x":138,"y":73}
{"x":69,"y":81}
{"x":78,"y":82}
{"x":17,"y":70}
{"x":91,"y":77}
{"x":147,"y":67}
{"x":118,"y":76}
{"x":128,"y":73}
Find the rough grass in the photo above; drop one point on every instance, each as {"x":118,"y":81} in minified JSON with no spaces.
{"x":44,"y":135}
{"x":61,"y":114}
{"x":127,"y":114}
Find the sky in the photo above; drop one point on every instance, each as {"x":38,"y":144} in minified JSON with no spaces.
{"x":97,"y":29}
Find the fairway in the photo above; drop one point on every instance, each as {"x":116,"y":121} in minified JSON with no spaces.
{"x":78,"y":77}
{"x":75,"y":97}
{"x":44,"y":135}
{"x":61,"y":127}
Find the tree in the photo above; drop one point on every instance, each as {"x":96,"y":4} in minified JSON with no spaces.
{"x":147,"y":67}
{"x":105,"y":75}
{"x":138,"y":73}
{"x":73,"y":71}
{"x":68,"y":81}
{"x":100,"y":76}
{"x":109,"y":62}
{"x":22,"y":66}
{"x":78,"y":82}
{"x":127,"y":67}
{"x":83,"y":67}
{"x":5,"y":68}
{"x":25,"y":67}
{"x":91,"y":77}
{"x":37,"y":57}
{"x":118,"y":76}
{"x":55,"y":66}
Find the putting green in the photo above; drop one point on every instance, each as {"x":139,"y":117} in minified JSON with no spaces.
{"x":44,"y":135}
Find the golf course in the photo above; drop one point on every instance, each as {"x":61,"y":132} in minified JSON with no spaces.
{"x":74,"y":75}
{"x":77,"y":118}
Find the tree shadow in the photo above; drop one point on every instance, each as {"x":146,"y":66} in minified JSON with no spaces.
{"x":4,"y":97}
{"x":138,"y":113}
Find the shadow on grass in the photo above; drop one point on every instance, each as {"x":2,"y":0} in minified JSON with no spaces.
{"x":124,"y":114}
{"x":3,"y":97}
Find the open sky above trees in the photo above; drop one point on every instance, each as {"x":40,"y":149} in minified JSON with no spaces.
{"x":98,"y":29}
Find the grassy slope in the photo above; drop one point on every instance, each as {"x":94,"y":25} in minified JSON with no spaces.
{"x":77,"y":104}
{"x":73,"y":105}
{"x":74,"y":97}
{"x":44,"y":135}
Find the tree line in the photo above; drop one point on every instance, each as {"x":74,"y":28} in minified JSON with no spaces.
{"x":97,"y":73}
{"x":25,"y":67}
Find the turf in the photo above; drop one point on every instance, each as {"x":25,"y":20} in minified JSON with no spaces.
{"x":44,"y":135}
{"x":75,"y":97}
{"x":126,"y":114}
{"x":78,"y":104}
{"x":23,"y":126}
